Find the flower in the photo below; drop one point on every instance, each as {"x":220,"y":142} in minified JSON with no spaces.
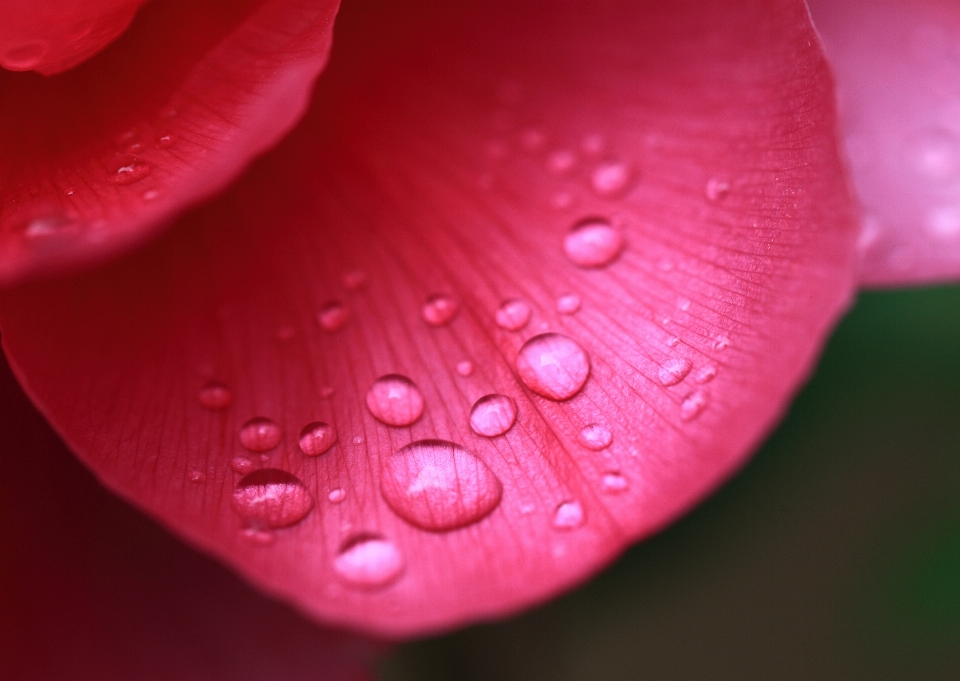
{"x":631,"y":228}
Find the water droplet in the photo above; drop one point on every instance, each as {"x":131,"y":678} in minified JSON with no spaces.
{"x":595,"y":436}
{"x":553,"y":366}
{"x":683,"y":304}
{"x":326,"y":392}
{"x":438,"y":485}
{"x":395,"y":400}
{"x":260,"y":434}
{"x":271,"y":498}
{"x":693,"y":406}
{"x":673,"y":342}
{"x":934,"y":154}
{"x":705,"y":374}
{"x":674,"y":370}
{"x":569,"y":303}
{"x":944,"y":222}
{"x":354,"y":279}
{"x":241,"y":465}
{"x":561,"y":200}
{"x":513,"y":315}
{"x":358,"y":440}
{"x":569,"y":515}
{"x":716,"y":189}
{"x":151,"y":195}
{"x":165,"y":139}
{"x":614,"y":482}
{"x":198,"y":477}
{"x":593,"y":144}
{"x":215,"y":395}
{"x":126,"y":169}
{"x":369,"y":561}
{"x":593,"y":242}
{"x":532,"y":139}
{"x":337,"y":495}
{"x":493,"y":415}
{"x":316,"y":438}
{"x":611,"y":178}
{"x":465,"y":367}
{"x":259,"y":536}
{"x":25,"y":57}
{"x":50,"y":224}
{"x":333,"y":316}
{"x":440,"y":309}
{"x":721,"y":342}
{"x":561,"y":161}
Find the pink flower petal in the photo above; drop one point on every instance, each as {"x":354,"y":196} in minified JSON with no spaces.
{"x":424,"y":165}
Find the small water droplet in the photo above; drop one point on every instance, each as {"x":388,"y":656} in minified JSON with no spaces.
{"x":395,"y":400}
{"x":369,"y":562}
{"x":439,"y":310}
{"x":595,"y":436}
{"x":165,"y":139}
{"x":241,"y":465}
{"x":693,"y":406}
{"x":934,"y":154}
{"x":561,"y":200}
{"x":673,"y":342}
{"x":215,"y":395}
{"x":354,"y":279}
{"x":337,"y":495}
{"x":326,"y":392}
{"x":271,"y":498}
{"x":532,"y":139}
{"x":561,"y":161}
{"x":705,"y":374}
{"x":593,"y":144}
{"x":333,"y":316}
{"x":493,"y":415}
{"x":49,"y":224}
{"x":683,"y":304}
{"x":569,"y":303}
{"x":316,"y":438}
{"x":553,"y":366}
{"x":465,"y":367}
{"x":716,"y":189}
{"x":260,"y":434}
{"x":358,"y":440}
{"x":569,"y":515}
{"x":259,"y":536}
{"x":439,"y":486}
{"x":593,"y":242}
{"x":126,"y":169}
{"x":674,"y":370}
{"x":721,"y":342}
{"x":513,"y":314}
{"x":150,"y":195}
{"x":614,"y":482}
{"x":611,"y":178}
{"x":198,"y":477}
{"x":25,"y":57}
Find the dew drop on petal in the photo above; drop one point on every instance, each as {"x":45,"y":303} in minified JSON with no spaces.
{"x":438,"y":485}
{"x":674,"y":370}
{"x":439,"y":310}
{"x":614,"y":482}
{"x":611,"y":178}
{"x":569,"y":515}
{"x":354,"y":279}
{"x":271,"y":498}
{"x":513,"y":315}
{"x":259,"y":536}
{"x":593,"y":242}
{"x":705,"y":374}
{"x":553,"y":366}
{"x":595,"y":436}
{"x":693,"y":406}
{"x":721,"y":343}
{"x":593,"y":144}
{"x":465,"y":367}
{"x":561,"y":161}
{"x":215,"y":395}
{"x":241,"y":465}
{"x":395,"y":400}
{"x":673,"y":342}
{"x":369,"y":562}
{"x":569,"y":303}
{"x":198,"y":477}
{"x":716,"y":189}
{"x":561,"y":200}
{"x":150,"y":195}
{"x":326,"y":392}
{"x":333,"y":316}
{"x":260,"y":434}
{"x":126,"y":169}
{"x":337,"y":495}
{"x":317,"y":438}
{"x":493,"y":415}
{"x":165,"y":139}
{"x":532,"y":139}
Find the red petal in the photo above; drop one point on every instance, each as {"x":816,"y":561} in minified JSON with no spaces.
{"x":353,"y":278}
{"x":91,"y":590}
{"x":898,"y":66}
{"x":93,"y":160}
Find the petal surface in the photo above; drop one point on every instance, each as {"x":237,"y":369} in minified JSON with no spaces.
{"x":523,"y":287}
{"x":93,"y":591}
{"x":93,"y":161}
{"x":898,"y":72}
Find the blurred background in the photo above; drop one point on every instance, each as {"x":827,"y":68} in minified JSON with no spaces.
{"x":835,"y":554}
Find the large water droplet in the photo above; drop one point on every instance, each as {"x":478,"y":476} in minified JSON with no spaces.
{"x":693,"y":406}
{"x":569,"y":515}
{"x":569,"y":303}
{"x":316,"y":438}
{"x":127,"y":169}
{"x":215,"y":395}
{"x":493,"y":415}
{"x":370,"y":562}
{"x":674,"y":370}
{"x":271,"y":498}
{"x":553,"y":366}
{"x":513,"y":315}
{"x":395,"y":400}
{"x":595,"y":436}
{"x":611,"y":178}
{"x":440,"y":309}
{"x":593,"y":242}
{"x":438,"y":485}
{"x":260,"y":434}
{"x":333,"y":316}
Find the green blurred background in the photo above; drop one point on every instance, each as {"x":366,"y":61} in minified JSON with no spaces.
{"x":835,"y":554}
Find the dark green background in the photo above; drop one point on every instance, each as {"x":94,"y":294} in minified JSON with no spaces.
{"x":835,"y":554}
